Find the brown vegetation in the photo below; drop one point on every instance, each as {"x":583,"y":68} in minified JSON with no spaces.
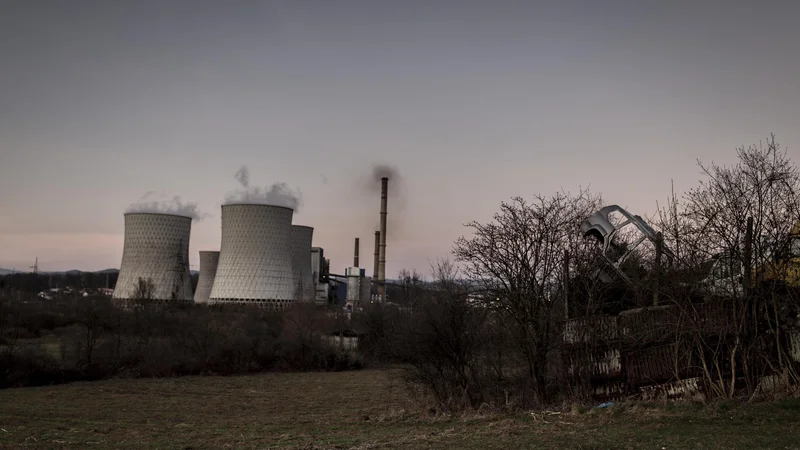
{"x":46,"y":342}
{"x":365,"y":409}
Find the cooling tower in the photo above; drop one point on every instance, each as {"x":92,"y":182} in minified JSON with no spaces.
{"x":255,"y":256}
{"x":208,"y":270}
{"x":301,"y":263}
{"x":156,"y":249}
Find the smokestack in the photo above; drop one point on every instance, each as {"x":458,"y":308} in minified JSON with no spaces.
{"x":375,"y":262}
{"x":355,"y":254}
{"x":382,"y":252}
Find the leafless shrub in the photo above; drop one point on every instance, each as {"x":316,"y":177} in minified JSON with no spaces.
{"x":517,"y":260}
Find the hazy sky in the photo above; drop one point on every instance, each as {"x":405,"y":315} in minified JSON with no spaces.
{"x":473,"y":101}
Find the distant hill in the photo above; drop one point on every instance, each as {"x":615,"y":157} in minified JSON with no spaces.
{"x":76,"y":272}
{"x":63,"y":272}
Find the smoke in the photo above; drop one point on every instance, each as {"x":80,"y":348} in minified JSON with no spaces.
{"x":165,"y":205}
{"x":396,"y":184}
{"x":396,"y":198}
{"x":279,"y":194}
{"x":384,"y":171}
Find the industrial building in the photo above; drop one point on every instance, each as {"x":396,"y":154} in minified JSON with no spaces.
{"x":255,"y":261}
{"x":320,"y":271}
{"x":208,"y":270}
{"x":301,"y":262}
{"x":156,"y":249}
{"x":263,"y":259}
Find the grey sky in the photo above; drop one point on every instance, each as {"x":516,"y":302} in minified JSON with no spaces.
{"x":473,"y":101}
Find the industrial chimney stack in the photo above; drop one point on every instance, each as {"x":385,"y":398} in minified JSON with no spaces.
{"x":355,"y":255}
{"x":377,"y":254}
{"x":382,"y":249}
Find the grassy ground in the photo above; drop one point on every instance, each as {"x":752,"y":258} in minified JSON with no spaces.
{"x":364,"y":409}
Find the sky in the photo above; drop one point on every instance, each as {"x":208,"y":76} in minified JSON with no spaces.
{"x":473,"y":102}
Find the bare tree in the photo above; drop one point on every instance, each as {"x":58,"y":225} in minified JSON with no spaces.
{"x":734,"y":229}
{"x":764,"y":185}
{"x":144,"y":290}
{"x":412,"y":287}
{"x":517,"y":260}
{"x":446,"y":343}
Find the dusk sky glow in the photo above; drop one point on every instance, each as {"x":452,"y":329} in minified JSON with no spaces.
{"x":473,"y":102}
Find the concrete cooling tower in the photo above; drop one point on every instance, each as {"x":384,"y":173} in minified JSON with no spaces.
{"x":156,"y":249}
{"x":255,"y":257}
{"x":208,"y":270}
{"x":301,"y":262}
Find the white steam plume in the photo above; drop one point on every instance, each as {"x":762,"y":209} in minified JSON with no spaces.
{"x":166,"y":206}
{"x":279,"y":194}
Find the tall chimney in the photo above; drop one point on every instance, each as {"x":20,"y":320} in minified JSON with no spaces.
{"x":382,"y":252}
{"x":377,"y":247}
{"x":355,"y":254}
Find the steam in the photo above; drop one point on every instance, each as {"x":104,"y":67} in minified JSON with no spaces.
{"x":243,"y":176}
{"x":279,"y":194}
{"x":164,"y":205}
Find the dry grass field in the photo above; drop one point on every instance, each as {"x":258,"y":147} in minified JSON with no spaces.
{"x":361,"y":409}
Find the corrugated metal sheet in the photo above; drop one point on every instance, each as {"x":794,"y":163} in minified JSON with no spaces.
{"x":711,"y":318}
{"x":597,"y":364}
{"x":648,"y":325}
{"x":609,"y":391}
{"x":609,"y":363}
{"x":591,"y":330}
{"x":794,"y":344}
{"x":673,"y":389}
{"x":658,"y":364}
{"x":772,"y":383}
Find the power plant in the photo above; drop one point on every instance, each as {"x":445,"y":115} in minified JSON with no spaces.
{"x":208,"y":271}
{"x":301,"y":262}
{"x":255,"y":261}
{"x":263,"y":259}
{"x":155,"y":258}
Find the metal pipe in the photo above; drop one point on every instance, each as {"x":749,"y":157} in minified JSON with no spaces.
{"x":355,"y":254}
{"x":382,"y":250}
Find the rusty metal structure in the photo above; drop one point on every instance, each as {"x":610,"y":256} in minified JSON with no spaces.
{"x":638,"y":352}
{"x":602,"y":227}
{"x":683,"y":348}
